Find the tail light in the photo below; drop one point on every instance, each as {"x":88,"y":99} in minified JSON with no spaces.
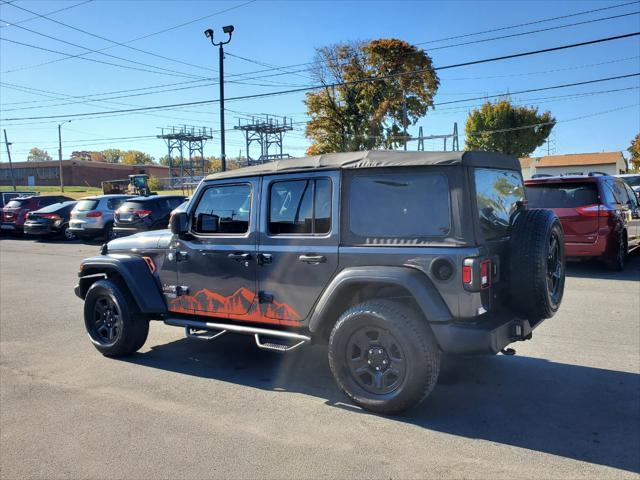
{"x":94,"y":214}
{"x":142,"y":213}
{"x":485,"y":274}
{"x":476,"y":274}
{"x":49,"y":216}
{"x":595,"y":210}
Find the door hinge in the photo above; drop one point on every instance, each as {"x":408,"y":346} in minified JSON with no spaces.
{"x":264,"y":297}
{"x":181,"y":256}
{"x":265,"y":259}
{"x":173,"y":291}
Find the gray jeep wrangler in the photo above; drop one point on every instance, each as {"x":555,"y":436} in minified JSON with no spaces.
{"x":392,"y":258}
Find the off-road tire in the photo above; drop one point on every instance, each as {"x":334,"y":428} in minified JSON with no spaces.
{"x":411,"y":331}
{"x":134,"y":327}
{"x":615,"y":259}
{"x":531,"y":234}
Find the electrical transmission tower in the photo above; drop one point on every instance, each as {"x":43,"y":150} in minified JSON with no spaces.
{"x":267,"y":132}
{"x":454,"y":139}
{"x":192,"y":140}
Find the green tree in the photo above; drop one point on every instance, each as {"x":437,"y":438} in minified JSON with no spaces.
{"x":136,"y":157}
{"x":363,"y":115}
{"x":634,"y":150}
{"x":81,"y":155}
{"x":112,"y":155}
{"x":37,"y":155}
{"x":164,"y":161}
{"x":506,"y":128}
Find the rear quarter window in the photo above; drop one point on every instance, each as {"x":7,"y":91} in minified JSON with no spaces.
{"x":399,"y":205}
{"x":497,"y":195}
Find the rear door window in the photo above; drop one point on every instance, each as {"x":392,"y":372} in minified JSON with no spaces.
{"x":17,"y":203}
{"x":300,"y":207}
{"x":562,"y":195}
{"x":399,"y":205}
{"x":497,"y":195}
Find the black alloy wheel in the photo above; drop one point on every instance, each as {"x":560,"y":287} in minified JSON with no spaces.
{"x":107,"y":321}
{"x":376,"y":360}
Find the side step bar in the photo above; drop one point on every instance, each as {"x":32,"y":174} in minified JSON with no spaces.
{"x":194,"y":328}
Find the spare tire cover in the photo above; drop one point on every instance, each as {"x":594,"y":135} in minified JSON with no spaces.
{"x":537,"y":263}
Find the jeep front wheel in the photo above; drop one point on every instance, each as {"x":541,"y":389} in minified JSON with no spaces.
{"x":383,"y":356}
{"x":112,"y":320}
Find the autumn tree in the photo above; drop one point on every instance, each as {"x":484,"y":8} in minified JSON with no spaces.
{"x":81,"y":155}
{"x":136,"y":157}
{"x":634,"y":150}
{"x":355,"y":112}
{"x":38,"y":155}
{"x":98,"y":157}
{"x":506,"y":128}
{"x":112,"y":155}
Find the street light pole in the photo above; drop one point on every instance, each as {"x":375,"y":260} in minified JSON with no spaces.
{"x":209,"y":34}
{"x":60,"y":153}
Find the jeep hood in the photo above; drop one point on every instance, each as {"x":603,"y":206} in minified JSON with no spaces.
{"x":141,"y":241}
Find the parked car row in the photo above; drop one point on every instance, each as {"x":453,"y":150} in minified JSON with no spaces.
{"x":96,"y":217}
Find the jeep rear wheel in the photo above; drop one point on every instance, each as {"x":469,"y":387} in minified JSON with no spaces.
{"x":112,"y":320}
{"x":383,"y":356}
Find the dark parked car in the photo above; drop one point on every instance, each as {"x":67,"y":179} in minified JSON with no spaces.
{"x":392,"y":258}
{"x":6,"y":196}
{"x":599,"y":213}
{"x":50,"y":221}
{"x":140,"y":214}
{"x":15,"y":212}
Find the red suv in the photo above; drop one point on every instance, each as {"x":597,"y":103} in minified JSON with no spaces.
{"x":15,"y":211}
{"x":599,"y":213}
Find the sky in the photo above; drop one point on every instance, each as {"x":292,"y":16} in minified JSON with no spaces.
{"x":166,"y":49}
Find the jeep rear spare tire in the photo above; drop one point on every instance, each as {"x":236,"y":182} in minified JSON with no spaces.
{"x":384,"y":356}
{"x":537,"y":264}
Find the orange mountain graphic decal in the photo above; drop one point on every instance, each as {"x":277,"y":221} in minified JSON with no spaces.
{"x":241,"y":305}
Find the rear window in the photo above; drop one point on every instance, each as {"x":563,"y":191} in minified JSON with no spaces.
{"x":562,"y":195}
{"x":86,"y":205}
{"x":16,"y":203}
{"x":400,"y":205}
{"x":633,"y":181}
{"x":126,"y":206}
{"x":114,"y":203}
{"x":497,"y":194}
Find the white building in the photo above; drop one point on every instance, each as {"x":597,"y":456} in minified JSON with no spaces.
{"x":611,"y":163}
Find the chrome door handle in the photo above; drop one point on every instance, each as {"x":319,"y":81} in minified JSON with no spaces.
{"x":306,"y":258}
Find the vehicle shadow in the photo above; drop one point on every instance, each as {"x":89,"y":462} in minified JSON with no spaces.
{"x":595,"y":269}
{"x":583,"y":413}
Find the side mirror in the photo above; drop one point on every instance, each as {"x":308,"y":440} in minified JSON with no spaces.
{"x":179,"y":223}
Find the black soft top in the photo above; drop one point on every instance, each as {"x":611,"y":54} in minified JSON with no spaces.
{"x":374,"y":159}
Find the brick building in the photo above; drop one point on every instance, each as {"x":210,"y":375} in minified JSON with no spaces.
{"x":74,"y":172}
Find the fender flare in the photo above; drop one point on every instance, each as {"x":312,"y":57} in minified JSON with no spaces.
{"x":414,"y":281}
{"x":135,"y":272}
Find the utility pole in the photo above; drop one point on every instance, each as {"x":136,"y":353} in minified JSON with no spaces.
{"x":209,"y":34}
{"x":60,"y":154}
{"x":404,"y":120}
{"x":6,"y":142}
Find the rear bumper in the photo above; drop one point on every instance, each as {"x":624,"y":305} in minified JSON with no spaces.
{"x":39,"y":230}
{"x":120,"y":231}
{"x":485,"y":337}
{"x":86,"y":232}
{"x":10,"y":227}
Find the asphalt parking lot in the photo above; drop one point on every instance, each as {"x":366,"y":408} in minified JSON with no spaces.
{"x":566,"y":406}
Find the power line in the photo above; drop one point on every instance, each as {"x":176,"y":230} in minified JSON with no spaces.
{"x":530,"y":32}
{"x":109,"y":40}
{"x":48,"y":13}
{"x":369,"y":79}
{"x":91,"y":59}
{"x":535,"y":22}
{"x":90,"y":50}
{"x":68,"y":56}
